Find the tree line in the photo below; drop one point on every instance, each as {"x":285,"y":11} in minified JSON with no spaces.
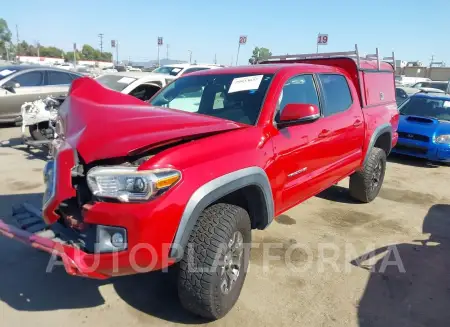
{"x":8,"y":49}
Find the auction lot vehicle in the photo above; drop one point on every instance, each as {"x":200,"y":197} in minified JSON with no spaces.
{"x":424,"y":127}
{"x":156,"y":185}
{"x":26,"y":83}
{"x":183,"y":69}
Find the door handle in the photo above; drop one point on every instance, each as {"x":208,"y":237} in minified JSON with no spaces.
{"x":324,"y":133}
{"x":357,"y":123}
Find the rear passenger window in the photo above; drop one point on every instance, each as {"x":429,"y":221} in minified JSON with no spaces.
{"x":298,"y":89}
{"x":336,"y":93}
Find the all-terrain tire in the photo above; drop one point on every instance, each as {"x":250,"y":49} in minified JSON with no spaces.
{"x":364,"y":186}
{"x":201,"y":271}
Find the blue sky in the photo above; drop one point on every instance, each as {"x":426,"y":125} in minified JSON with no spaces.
{"x":414,"y":29}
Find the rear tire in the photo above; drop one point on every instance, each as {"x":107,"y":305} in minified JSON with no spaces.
{"x":366,"y":184}
{"x":215,"y":262}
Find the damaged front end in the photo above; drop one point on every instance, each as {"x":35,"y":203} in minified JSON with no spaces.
{"x":104,"y":189}
{"x":39,"y":117}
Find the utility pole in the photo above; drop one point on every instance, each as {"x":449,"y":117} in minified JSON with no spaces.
{"x":115,"y":44}
{"x":38,"y":45}
{"x":215,"y":59}
{"x":101,"y":42}
{"x":167,"y":51}
{"x":190,"y":56}
{"x":17,"y":40}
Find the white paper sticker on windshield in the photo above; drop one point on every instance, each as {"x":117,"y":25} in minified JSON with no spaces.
{"x":126,"y":80}
{"x":6,"y":72}
{"x":176,"y":70}
{"x":245,"y":83}
{"x":446,"y":104}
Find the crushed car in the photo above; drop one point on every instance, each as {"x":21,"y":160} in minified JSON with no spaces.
{"x":157,"y":185}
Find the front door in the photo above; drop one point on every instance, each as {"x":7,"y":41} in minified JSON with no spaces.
{"x":31,"y":88}
{"x":299,"y":149}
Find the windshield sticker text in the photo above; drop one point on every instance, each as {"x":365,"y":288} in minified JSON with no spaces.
{"x":126,"y":80}
{"x":245,"y":83}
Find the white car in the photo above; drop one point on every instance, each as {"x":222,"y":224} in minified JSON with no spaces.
{"x":178,"y":70}
{"x":138,"y":84}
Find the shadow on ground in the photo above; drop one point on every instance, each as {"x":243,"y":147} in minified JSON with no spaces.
{"x":337,"y":193}
{"x":411,"y":161}
{"x":410,"y":285}
{"x":32,"y":153}
{"x":26,"y":286}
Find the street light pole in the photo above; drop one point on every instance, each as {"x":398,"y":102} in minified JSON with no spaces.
{"x":237,"y":56}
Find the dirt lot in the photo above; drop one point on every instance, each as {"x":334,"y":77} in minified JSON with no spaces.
{"x":315,"y":290}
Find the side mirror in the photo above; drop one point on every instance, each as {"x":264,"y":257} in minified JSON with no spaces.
{"x":10,"y":86}
{"x":297,"y":113}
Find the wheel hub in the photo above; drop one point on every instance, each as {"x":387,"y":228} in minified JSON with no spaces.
{"x":232,"y":262}
{"x":376,"y":175}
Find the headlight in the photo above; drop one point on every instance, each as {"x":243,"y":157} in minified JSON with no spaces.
{"x":443,"y":139}
{"x":127,"y":184}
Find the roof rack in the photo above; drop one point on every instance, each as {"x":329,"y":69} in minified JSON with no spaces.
{"x":354,"y":54}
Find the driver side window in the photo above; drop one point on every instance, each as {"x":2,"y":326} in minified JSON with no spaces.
{"x":298,"y":89}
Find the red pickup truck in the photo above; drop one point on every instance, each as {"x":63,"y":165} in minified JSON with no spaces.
{"x":217,"y":153}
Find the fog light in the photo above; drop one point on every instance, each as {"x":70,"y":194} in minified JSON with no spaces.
{"x":110,"y":239}
{"x":117,"y":240}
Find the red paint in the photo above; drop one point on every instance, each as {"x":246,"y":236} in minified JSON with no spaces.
{"x":295,"y":111}
{"x":299,"y":160}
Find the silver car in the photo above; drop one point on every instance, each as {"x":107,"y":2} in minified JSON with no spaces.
{"x":19,"y":84}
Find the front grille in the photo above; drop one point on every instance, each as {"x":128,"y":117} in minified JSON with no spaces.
{"x":411,"y":149}
{"x":412,"y":136}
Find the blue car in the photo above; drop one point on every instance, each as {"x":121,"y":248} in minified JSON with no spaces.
{"x":424,"y":127}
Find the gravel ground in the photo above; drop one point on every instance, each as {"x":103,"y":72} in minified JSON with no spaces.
{"x":325,"y":282}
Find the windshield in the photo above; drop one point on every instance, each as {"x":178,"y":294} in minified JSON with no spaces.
{"x":115,"y":82}
{"x":168,"y":70}
{"x":236,"y":97}
{"x":426,"y":107}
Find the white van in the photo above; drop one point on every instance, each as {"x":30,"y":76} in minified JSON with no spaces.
{"x":403,"y":80}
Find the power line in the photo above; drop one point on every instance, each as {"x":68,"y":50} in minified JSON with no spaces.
{"x":101,"y":42}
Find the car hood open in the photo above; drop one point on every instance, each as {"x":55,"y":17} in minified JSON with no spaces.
{"x":101,"y":123}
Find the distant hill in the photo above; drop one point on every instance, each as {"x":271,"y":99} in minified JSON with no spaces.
{"x":151,"y":63}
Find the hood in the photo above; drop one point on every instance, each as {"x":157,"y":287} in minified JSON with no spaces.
{"x":423,"y":125}
{"x":101,"y":123}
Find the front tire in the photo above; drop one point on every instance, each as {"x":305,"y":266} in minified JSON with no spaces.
{"x":366,"y":184}
{"x":215,"y":262}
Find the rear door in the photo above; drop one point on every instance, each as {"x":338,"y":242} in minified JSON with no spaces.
{"x":31,"y":88}
{"x":57,"y":83}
